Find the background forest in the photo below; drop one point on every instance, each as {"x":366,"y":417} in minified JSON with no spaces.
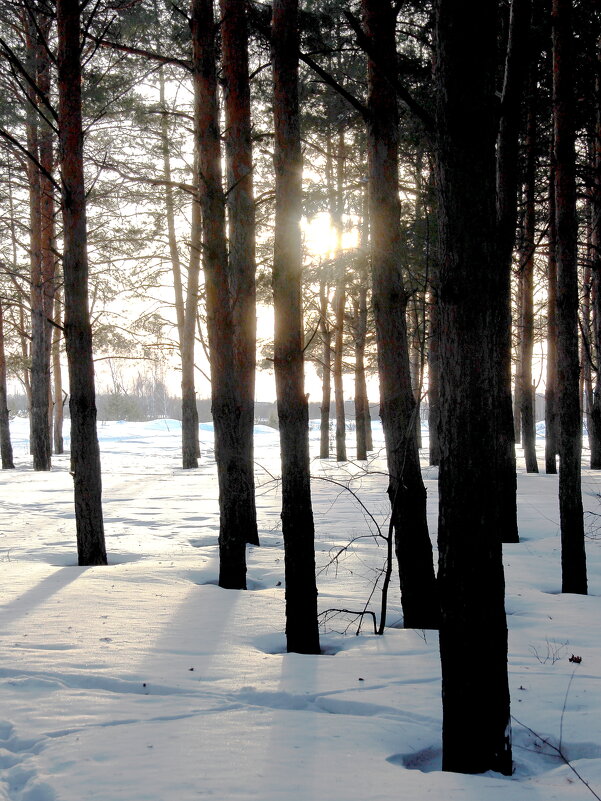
{"x":409,"y":193}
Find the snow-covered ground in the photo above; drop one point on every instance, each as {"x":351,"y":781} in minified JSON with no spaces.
{"x":144,"y":681}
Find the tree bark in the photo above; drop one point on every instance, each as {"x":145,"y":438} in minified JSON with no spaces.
{"x":242,"y":267}
{"x":186,"y":332}
{"x":470,"y":573}
{"x":527,"y":392}
{"x":47,"y":221}
{"x":362,"y":422}
{"x":434,"y":378}
{"x":361,"y":400}
{"x":58,"y":379}
{"x":595,"y":416}
{"x":40,"y":375}
{"x":506,"y":188}
{"x":297,"y":515}
{"x":573,"y":557}
{"x":6,"y":448}
{"x":225,"y":404}
{"x":419,"y":594}
{"x":517,"y":389}
{"x":339,"y":306}
{"x":368,"y":432}
{"x":14,"y":244}
{"x":551,"y":417}
{"x":586,"y":376}
{"x":190,"y":442}
{"x":415,"y":364}
{"x":326,"y":384}
{"x":85,"y":453}
{"x":339,"y":298}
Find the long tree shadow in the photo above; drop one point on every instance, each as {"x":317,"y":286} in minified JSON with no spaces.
{"x":41,"y":592}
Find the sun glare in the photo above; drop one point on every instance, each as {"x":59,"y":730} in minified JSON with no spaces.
{"x":320,"y":236}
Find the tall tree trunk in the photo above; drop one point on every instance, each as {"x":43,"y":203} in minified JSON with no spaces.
{"x":40,"y":377}
{"x":339,"y":306}
{"x":573,"y":557}
{"x":362,"y":422}
{"x":190,"y":443}
{"x":470,"y":574}
{"x":527,"y":393}
{"x":551,"y":416}
{"x":360,"y":382}
{"x":595,"y":417}
{"x":297,"y":515}
{"x":361,"y":401}
{"x":47,"y":214}
{"x":225,"y":403}
{"x":517,"y":389}
{"x":339,"y":299}
{"x":369,"y":442}
{"x":25,"y":355}
{"x":586,"y":376}
{"x":58,"y":378}
{"x":14,"y":244}
{"x":85,"y":453}
{"x":6,"y":448}
{"x":416,"y":363}
{"x":434,"y":376}
{"x":176,"y":267}
{"x":506,"y":189}
{"x":326,"y":388}
{"x":241,"y":213}
{"x":406,"y":490}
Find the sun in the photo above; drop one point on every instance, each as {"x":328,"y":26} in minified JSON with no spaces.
{"x":321,"y":239}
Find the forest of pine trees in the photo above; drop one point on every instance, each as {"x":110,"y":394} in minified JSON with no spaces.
{"x":160,"y":166}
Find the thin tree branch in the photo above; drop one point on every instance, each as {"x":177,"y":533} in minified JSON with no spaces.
{"x":136,"y":51}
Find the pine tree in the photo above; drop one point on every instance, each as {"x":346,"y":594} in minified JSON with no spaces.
{"x":470,"y":557}
{"x":297,"y":515}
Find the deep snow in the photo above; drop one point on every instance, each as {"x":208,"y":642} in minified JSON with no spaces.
{"x":143,"y":680}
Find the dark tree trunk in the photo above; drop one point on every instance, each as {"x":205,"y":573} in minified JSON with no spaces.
{"x":470,"y":574}
{"x":190,"y":443}
{"x":339,"y":300}
{"x":527,"y":391}
{"x":416,"y":361}
{"x":58,"y":378}
{"x":326,"y":388}
{"x":595,"y":416}
{"x":368,"y":432}
{"x":225,"y":404}
{"x":297,"y":515}
{"x":14,"y":244}
{"x":362,"y":422}
{"x":517,"y":390}
{"x":407,"y":493}
{"x":339,"y":306}
{"x":241,"y":213}
{"x":40,"y":374}
{"x":85,"y":453}
{"x":506,"y":188}
{"x":434,"y":378}
{"x":586,"y":376}
{"x":573,"y":557}
{"x":361,"y":400}
{"x":186,"y":332}
{"x":47,"y":215}
{"x":551,"y":417}
{"x":6,"y":448}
